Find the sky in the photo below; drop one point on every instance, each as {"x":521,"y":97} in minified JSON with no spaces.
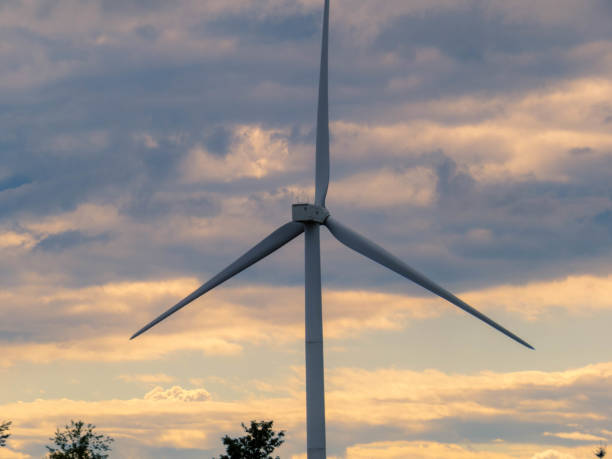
{"x":146,"y":145}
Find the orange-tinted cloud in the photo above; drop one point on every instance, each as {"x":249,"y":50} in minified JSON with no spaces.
{"x":234,"y":316}
{"x":415,"y":403}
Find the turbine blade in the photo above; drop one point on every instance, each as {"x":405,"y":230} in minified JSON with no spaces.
{"x":322,"y":152}
{"x":271,"y":243}
{"x":376,"y":253}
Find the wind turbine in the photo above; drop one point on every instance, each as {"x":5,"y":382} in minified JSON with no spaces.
{"x":307,"y":219}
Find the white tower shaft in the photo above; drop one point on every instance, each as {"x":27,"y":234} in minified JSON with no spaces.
{"x":315,"y":386}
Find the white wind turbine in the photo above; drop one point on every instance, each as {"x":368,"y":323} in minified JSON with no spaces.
{"x":307,"y":218}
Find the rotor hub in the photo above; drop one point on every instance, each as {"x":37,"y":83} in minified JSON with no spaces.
{"x":304,"y":212}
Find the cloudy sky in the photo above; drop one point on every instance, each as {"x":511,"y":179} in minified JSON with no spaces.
{"x":145,"y":145}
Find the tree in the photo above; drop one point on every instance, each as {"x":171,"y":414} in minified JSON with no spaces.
{"x":79,"y":441}
{"x":4,"y":427}
{"x":600,"y":452}
{"x":259,"y":442}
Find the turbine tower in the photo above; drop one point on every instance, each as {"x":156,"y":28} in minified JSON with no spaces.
{"x":307,"y":219}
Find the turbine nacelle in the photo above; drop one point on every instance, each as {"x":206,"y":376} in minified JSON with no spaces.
{"x":304,"y":213}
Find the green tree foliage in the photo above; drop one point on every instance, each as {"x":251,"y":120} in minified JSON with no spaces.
{"x":259,"y":442}
{"x":79,"y":441}
{"x":4,"y":427}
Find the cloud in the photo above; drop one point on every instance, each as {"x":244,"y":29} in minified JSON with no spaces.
{"x":177,"y":393}
{"x":11,"y":239}
{"x":420,"y":403}
{"x":197,"y":159}
{"x":386,"y":188}
{"x":67,"y":240}
{"x":427,"y":450}
{"x":552,"y":454}
{"x":146,"y":378}
{"x":88,"y":218}
{"x":113,"y":349}
{"x":8,"y":453}
{"x":253,"y":152}
{"x":177,"y":418}
{"x":579,"y":294}
{"x":235,"y":317}
{"x":231,"y":318}
{"x":395,"y":413}
{"x":418,"y":450}
{"x":494,"y":137}
{"x":578,"y":436}
{"x":146,"y":139}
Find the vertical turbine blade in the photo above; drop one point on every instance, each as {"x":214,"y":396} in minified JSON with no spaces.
{"x":376,"y":253}
{"x":322,"y":152}
{"x":271,"y":243}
